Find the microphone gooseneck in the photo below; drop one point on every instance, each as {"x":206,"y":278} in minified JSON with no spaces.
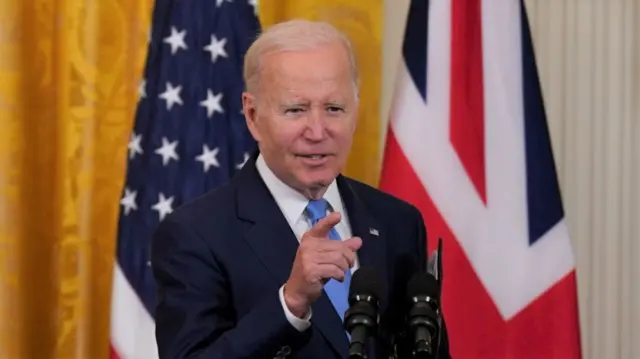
{"x":361,"y":319}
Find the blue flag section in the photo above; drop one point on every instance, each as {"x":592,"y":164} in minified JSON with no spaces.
{"x":189,"y":134}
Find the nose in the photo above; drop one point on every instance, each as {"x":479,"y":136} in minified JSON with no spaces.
{"x":316,"y":126}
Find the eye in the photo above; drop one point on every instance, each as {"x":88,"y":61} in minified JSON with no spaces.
{"x":335,"y":109}
{"x":294,"y":110}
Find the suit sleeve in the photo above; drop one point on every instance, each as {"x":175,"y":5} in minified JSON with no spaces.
{"x":195,"y":317}
{"x":443,"y":351}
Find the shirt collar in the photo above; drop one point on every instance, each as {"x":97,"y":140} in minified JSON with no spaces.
{"x":291,"y":202}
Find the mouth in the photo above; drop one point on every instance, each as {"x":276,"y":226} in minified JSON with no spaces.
{"x":313,"y":156}
{"x":313,"y":160}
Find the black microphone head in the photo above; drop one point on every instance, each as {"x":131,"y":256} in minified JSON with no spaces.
{"x":365,"y":282}
{"x":423,"y":284}
{"x":361,"y":319}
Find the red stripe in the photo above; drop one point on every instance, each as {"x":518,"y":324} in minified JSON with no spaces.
{"x":112,"y":353}
{"x":546,"y":329}
{"x":467,"y":103}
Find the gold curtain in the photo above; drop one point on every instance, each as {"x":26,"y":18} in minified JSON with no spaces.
{"x":362,"y":22}
{"x":69,"y":72}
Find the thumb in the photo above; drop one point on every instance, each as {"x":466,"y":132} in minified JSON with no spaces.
{"x":323,"y":227}
{"x":353,"y":243}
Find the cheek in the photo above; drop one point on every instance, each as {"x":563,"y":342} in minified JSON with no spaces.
{"x":285,"y":137}
{"x":344,"y":137}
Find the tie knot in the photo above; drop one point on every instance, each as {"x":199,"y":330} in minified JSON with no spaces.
{"x":317,"y":209}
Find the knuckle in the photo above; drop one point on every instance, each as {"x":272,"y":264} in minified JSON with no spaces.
{"x":336,"y":246}
{"x":305,"y":242}
{"x":308,"y":275}
{"x":346,"y":261}
{"x":306,"y":268}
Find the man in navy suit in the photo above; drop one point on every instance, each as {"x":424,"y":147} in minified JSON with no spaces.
{"x":260,"y":267}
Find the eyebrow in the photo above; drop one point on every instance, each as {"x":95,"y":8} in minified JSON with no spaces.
{"x":295,"y":104}
{"x":306,"y":103}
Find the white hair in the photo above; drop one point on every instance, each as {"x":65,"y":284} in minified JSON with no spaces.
{"x":294,"y":35}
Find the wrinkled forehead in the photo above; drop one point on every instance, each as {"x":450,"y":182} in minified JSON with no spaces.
{"x":314,"y":74}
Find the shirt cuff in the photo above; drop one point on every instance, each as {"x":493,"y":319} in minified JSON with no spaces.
{"x":299,"y":324}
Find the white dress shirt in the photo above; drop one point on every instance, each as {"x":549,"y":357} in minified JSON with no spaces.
{"x":292,"y":204}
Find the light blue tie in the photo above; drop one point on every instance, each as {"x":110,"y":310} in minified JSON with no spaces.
{"x":337,"y":292}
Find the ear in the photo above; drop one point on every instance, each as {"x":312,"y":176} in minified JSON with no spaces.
{"x":250,"y":114}
{"x":356,"y":117}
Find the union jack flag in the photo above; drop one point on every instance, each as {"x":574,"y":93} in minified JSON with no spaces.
{"x":468,"y":144}
{"x":189,"y":137}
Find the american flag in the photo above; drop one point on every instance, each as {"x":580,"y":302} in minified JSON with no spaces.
{"x":468,"y":144}
{"x":189,"y":136}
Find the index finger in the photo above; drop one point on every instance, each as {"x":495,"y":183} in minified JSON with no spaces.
{"x":323,"y":227}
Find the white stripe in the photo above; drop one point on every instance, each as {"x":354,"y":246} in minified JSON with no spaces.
{"x":132,"y":328}
{"x":537,"y":268}
{"x":494,"y":238}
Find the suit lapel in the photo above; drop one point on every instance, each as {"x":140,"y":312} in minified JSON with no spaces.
{"x":372,"y":253}
{"x":275,"y":243}
{"x":268,"y":232}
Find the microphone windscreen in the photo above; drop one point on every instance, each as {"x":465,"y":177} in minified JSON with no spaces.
{"x":422,"y":284}
{"x":365,"y":281}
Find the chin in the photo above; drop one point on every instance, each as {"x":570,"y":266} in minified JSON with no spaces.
{"x":317,"y":179}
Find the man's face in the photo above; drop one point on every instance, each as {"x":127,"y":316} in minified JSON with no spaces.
{"x":304,"y":115}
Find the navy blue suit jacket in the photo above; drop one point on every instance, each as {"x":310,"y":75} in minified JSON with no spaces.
{"x":220,"y":260}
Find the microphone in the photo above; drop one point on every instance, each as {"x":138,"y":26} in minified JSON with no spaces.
{"x":421,"y":335}
{"x":361,"y":319}
{"x":424,"y":315}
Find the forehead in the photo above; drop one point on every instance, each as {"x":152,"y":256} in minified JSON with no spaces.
{"x":317,"y":71}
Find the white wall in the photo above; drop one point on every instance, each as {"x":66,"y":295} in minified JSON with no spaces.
{"x":588,"y":54}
